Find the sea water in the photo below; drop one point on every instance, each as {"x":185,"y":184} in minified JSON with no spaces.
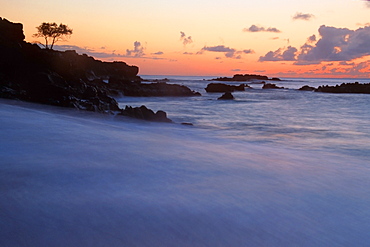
{"x":270,"y":168}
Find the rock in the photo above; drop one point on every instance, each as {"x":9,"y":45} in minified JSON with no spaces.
{"x":190,"y":124}
{"x":346,"y":88}
{"x":226,"y":96}
{"x":158,"y":89}
{"x":239,"y":77}
{"x":271,"y":86}
{"x":144,"y":113}
{"x":45,"y":76}
{"x":222,"y":88}
{"x":275,"y":79}
{"x":10,"y":32}
{"x":307,"y":88}
{"x":246,"y":77}
{"x":68,"y":79}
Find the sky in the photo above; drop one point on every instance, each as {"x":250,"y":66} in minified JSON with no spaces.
{"x":285,"y":38}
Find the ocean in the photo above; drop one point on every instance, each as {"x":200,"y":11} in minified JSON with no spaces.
{"x":270,"y":168}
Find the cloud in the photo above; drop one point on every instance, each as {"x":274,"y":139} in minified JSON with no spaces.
{"x":218,"y":48}
{"x":281,"y":54}
{"x":138,"y":50}
{"x":338,"y":44}
{"x":335,"y":44}
{"x":255,"y":28}
{"x":345,"y":63}
{"x":311,"y":39}
{"x":229,"y":52}
{"x":301,"y":16}
{"x":367,"y":2}
{"x":249,"y":51}
{"x":185,"y":40}
{"x":86,"y":50}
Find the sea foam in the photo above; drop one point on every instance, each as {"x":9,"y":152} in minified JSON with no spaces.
{"x":80,"y":179}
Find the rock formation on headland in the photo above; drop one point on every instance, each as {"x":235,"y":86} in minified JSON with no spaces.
{"x":222,"y":88}
{"x":346,"y":88}
{"x":68,"y":79}
{"x":307,"y":88}
{"x":30,"y":73}
{"x":246,"y":77}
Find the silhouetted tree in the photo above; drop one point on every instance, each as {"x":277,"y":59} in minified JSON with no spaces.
{"x":52,"y":32}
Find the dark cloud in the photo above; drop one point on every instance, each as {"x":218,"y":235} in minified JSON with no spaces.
{"x":335,"y":44}
{"x":138,"y":50}
{"x":311,"y":39}
{"x":85,"y":50}
{"x":345,"y":63}
{"x":282,"y":54}
{"x":218,"y":48}
{"x":255,"y":28}
{"x":249,"y":51}
{"x":185,"y":40}
{"x":301,"y":16}
{"x":229,"y":52}
{"x":338,"y":44}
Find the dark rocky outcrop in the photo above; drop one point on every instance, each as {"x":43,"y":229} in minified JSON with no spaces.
{"x":307,"y":88}
{"x":246,"y":77}
{"x":271,"y":86}
{"x":68,"y":79}
{"x":222,"y":88}
{"x":144,"y":113}
{"x":157,"y":89}
{"x":346,"y":88}
{"x":226,"y":96}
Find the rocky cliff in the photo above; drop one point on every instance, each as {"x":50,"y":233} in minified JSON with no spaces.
{"x":67,"y":79}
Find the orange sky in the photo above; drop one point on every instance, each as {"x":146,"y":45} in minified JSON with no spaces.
{"x":286,"y":38}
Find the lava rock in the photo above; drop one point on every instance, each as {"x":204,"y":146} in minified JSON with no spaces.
{"x":226,"y":96}
{"x":362,"y":88}
{"x":223,"y":88}
{"x":144,"y":113}
{"x":158,"y":89}
{"x":240,"y":77}
{"x":307,"y":88}
{"x":271,"y":86}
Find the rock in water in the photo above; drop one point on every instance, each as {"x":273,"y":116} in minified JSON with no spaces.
{"x":144,"y":113}
{"x":222,"y":88}
{"x":271,"y":86}
{"x":362,"y":88}
{"x":226,"y":96}
{"x":307,"y":88}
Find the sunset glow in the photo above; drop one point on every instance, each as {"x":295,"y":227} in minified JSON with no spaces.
{"x":277,"y":38}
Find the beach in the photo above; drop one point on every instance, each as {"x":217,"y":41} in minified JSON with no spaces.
{"x":76,"y":178}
